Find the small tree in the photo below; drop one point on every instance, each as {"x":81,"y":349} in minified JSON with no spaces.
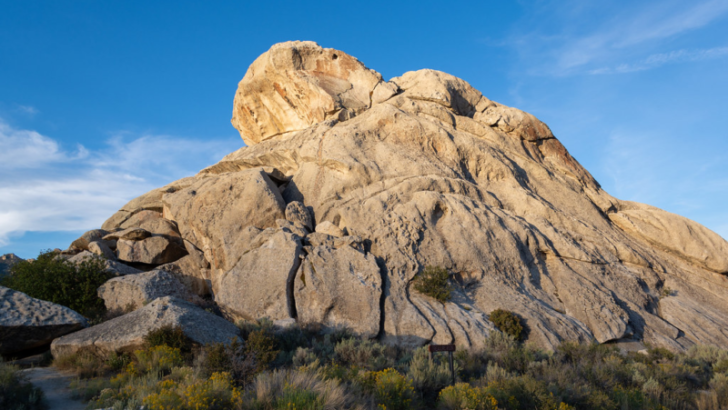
{"x":433,"y":282}
{"x":507,"y":322}
{"x":57,"y":280}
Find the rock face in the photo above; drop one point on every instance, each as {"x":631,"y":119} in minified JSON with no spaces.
{"x":424,"y":170}
{"x":26,"y":322}
{"x":131,"y":292}
{"x":340,"y":288}
{"x":126,"y":333}
{"x":6,"y":261}
{"x":260,"y":283}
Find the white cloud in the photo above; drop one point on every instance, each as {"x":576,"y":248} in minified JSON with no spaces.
{"x":29,"y":149}
{"x":45,"y":188}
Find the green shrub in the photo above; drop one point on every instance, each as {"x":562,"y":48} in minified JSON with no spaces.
{"x":57,"y":280}
{"x":429,"y":376}
{"x":364,"y":354}
{"x":289,"y":389}
{"x":262,"y":346}
{"x":15,"y":393}
{"x":507,"y":322}
{"x":433,"y":282}
{"x":172,"y":336}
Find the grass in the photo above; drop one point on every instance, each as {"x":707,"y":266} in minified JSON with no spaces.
{"x":16,"y":393}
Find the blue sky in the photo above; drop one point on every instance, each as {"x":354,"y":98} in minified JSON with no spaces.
{"x":101,"y":101}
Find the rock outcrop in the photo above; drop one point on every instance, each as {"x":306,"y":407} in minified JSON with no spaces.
{"x":425,"y":170}
{"x":7,"y":261}
{"x":126,"y":333}
{"x":27,"y":323}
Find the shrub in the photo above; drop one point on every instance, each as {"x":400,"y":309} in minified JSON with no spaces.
{"x":171,"y":336}
{"x":85,"y":364}
{"x":428,"y":376}
{"x":365,"y":354}
{"x":289,"y":389}
{"x":392,"y":390}
{"x":262,"y":346}
{"x":17,"y":394}
{"x":507,"y":322}
{"x":229,"y":358}
{"x":462,"y":396}
{"x":157,"y":359}
{"x":57,"y":280}
{"x":433,"y":282}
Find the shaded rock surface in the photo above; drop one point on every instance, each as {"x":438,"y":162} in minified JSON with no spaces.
{"x":155,"y":250}
{"x":425,"y":170}
{"x":115,"y":267}
{"x":126,"y":333}
{"x":7,"y":261}
{"x":26,"y":322}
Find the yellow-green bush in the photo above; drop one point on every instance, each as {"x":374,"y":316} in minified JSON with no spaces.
{"x":156,"y":359}
{"x":392,"y":390}
{"x":463,"y":396}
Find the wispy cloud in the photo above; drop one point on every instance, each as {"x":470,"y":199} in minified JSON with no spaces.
{"x":657,"y":60}
{"x":47,"y":188}
{"x":28,"y":110}
{"x":668,"y":175}
{"x":579,"y":39}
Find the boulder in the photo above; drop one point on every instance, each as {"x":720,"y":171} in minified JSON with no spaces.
{"x":130,"y":234}
{"x":189,"y":272}
{"x":130,"y":292}
{"x":126,"y":333}
{"x":155,"y":250}
{"x":213,"y":213}
{"x":101,"y":249}
{"x":297,"y":212}
{"x":261,"y":282}
{"x":88,"y":237}
{"x":329,"y":228}
{"x":296,"y":228}
{"x":151,"y":201}
{"x":297,"y":84}
{"x":152,"y":222}
{"x":27,"y":323}
{"x":115,"y":267}
{"x":339,"y":288}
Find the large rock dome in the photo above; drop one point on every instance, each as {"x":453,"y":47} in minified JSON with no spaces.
{"x":425,"y":170}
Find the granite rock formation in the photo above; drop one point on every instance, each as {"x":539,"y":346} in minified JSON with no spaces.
{"x":393,"y":176}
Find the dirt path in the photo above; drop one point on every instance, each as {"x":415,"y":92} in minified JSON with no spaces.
{"x":54,"y":384}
